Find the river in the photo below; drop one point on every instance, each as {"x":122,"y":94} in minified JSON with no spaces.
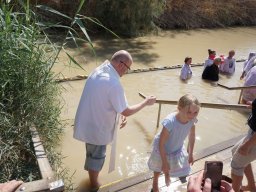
{"x":165,"y":49}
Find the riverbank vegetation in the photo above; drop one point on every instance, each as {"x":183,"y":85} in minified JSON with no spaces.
{"x":133,"y":18}
{"x":187,"y":14}
{"x":29,"y":93}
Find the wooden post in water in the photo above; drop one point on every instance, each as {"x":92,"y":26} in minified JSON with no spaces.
{"x":158,"y":116}
{"x":240,"y":96}
{"x":237,"y":88}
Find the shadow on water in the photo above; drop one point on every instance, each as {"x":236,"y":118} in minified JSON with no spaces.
{"x":148,"y":137}
{"x":138,"y":49}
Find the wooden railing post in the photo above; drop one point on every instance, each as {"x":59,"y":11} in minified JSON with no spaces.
{"x":158,"y":116}
{"x":240,"y":96}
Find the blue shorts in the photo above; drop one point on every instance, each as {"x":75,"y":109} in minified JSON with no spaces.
{"x":95,"y":157}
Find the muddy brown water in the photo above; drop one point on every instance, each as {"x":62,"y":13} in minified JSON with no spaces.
{"x":168,"y":48}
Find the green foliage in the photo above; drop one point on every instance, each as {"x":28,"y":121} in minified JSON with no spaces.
{"x":206,"y":14}
{"x":28,"y":94}
{"x":128,"y":18}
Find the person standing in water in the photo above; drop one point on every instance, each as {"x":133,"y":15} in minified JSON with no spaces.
{"x":210,"y":59}
{"x":102,"y":100}
{"x":248,"y":64}
{"x":229,"y":64}
{"x":186,"y":71}
{"x":169,"y":155}
{"x":212,"y":72}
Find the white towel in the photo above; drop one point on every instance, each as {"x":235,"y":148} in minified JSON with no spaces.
{"x":113,"y":147}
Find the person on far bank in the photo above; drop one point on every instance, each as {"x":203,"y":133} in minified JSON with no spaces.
{"x":169,"y":155}
{"x":102,"y":101}
{"x":212,"y":72}
{"x":229,"y":64}
{"x":186,"y":71}
{"x":210,"y":59}
{"x":244,"y":152}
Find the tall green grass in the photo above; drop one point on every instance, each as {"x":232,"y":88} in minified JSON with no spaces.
{"x":29,"y":94}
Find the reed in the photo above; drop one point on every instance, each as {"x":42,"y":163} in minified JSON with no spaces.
{"x":29,"y":94}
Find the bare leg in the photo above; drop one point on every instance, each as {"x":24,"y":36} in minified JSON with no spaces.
{"x":155,"y":182}
{"x":250,"y":178}
{"x":237,"y":182}
{"x":93,"y":175}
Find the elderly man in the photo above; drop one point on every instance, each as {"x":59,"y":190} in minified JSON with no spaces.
{"x":102,"y":100}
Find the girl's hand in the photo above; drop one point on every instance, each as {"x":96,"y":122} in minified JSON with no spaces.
{"x":191,"y":159}
{"x":165,"y":167}
{"x":166,"y":170}
{"x":124,"y":121}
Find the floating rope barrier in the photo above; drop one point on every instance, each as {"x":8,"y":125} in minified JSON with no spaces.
{"x":150,"y":69}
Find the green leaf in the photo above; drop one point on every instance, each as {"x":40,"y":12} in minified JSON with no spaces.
{"x":72,"y":59}
{"x":82,"y":27}
{"x":45,"y":8}
{"x":80,"y":6}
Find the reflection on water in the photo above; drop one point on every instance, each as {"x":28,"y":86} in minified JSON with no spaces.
{"x":134,"y":141}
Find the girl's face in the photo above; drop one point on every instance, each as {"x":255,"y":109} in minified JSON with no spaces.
{"x":189,"y":112}
{"x":189,"y":61}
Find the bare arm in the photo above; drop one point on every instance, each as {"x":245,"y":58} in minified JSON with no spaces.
{"x":165,"y":165}
{"x":130,"y":110}
{"x":242,"y":76}
{"x":247,"y":145}
{"x":163,"y":138}
{"x":191,"y":143}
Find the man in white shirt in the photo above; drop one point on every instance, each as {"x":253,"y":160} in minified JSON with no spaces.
{"x":102,"y":100}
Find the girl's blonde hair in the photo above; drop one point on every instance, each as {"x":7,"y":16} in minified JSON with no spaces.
{"x":187,"y":100}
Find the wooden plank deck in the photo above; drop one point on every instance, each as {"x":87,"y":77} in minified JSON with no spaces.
{"x":143,"y":182}
{"x":48,"y":181}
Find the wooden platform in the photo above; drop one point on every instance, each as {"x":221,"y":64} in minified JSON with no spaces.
{"x":143,"y":182}
{"x":48,"y":180}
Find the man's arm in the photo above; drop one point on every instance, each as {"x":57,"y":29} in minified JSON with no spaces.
{"x":130,"y":110}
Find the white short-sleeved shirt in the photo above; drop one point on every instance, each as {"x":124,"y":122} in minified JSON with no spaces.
{"x":228,"y":66}
{"x":186,"y":72}
{"x":250,"y":64}
{"x":250,"y":79}
{"x":102,"y":99}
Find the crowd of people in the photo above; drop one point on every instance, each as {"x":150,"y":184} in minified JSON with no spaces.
{"x":214,"y":65}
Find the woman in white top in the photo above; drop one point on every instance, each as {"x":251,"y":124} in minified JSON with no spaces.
{"x":250,"y":79}
{"x":248,"y":64}
{"x":229,"y":63}
{"x":209,"y":61}
{"x":186,"y":71}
